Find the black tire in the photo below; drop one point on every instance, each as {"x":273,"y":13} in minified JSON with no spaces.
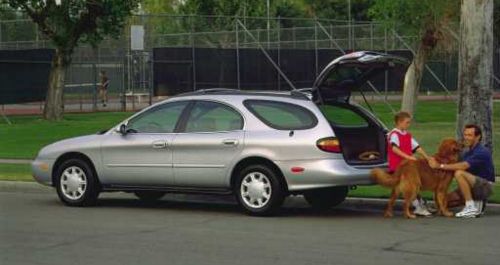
{"x":149,"y":195}
{"x":272,"y":185}
{"x":326,"y":198}
{"x":88,"y":195}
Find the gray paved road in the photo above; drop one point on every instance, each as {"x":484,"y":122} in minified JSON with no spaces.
{"x":36,"y":229}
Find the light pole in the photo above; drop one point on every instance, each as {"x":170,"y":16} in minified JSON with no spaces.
{"x":349,"y":23}
{"x":268,"y":26}
{"x":349,"y":10}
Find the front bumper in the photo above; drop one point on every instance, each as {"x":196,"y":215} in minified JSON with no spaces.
{"x":325,"y":173}
{"x":42,"y":171}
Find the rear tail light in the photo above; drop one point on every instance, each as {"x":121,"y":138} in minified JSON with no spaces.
{"x":330,"y":144}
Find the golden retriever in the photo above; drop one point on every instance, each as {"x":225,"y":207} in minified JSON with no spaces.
{"x":412,"y":176}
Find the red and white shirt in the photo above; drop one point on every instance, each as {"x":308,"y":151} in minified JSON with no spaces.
{"x":404,"y":141}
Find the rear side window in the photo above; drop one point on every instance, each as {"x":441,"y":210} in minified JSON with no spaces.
{"x":343,"y":117}
{"x":281,"y":115}
{"x":209,"y":116}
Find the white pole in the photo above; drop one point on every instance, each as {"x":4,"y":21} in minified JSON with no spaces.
{"x":268,"y":26}
{"x":349,"y":23}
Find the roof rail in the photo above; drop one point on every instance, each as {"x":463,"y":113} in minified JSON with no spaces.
{"x":230,"y":91}
{"x":211,"y":90}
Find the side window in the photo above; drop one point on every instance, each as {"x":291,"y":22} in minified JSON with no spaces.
{"x":161,"y":119}
{"x":213,"y":117}
{"x":281,"y":115}
{"x":343,"y":116}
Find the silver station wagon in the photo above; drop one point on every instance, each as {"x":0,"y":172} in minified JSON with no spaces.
{"x":260,"y":146}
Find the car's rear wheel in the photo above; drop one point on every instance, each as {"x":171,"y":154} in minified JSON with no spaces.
{"x":326,"y":198}
{"x":259,"y":190}
{"x":76,"y":183}
{"x":149,"y":196}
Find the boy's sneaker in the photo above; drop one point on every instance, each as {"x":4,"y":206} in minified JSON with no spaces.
{"x":468,"y":212}
{"x":431,"y":208}
{"x":422,"y":211}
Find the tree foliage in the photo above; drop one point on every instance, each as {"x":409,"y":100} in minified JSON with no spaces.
{"x":419,"y":17}
{"x":66,"y":25}
{"x":431,"y":21}
{"x":339,"y":9}
{"x":159,"y":6}
{"x":75,"y":21}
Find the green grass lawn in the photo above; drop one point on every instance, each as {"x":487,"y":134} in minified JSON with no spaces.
{"x":435,"y":120}
{"x":17,"y":172}
{"x":28,"y":134}
{"x":24,"y":138}
{"x":382,"y":192}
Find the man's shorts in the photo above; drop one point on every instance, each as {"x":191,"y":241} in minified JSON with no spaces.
{"x":481,"y":191}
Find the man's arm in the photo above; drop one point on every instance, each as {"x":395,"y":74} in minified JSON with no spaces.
{"x":450,"y":167}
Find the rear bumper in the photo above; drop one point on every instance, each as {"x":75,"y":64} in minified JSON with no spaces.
{"x":41,"y":169}
{"x":325,"y":173}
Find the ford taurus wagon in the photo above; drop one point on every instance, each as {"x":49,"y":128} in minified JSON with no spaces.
{"x":260,"y":146}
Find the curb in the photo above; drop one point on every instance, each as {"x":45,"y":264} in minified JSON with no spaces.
{"x":380,"y":200}
{"x":22,"y":186}
{"x":15,"y":161}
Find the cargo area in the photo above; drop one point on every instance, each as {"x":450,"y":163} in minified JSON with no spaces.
{"x":361,"y":137}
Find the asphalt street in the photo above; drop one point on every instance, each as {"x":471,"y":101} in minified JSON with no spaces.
{"x":35,"y":228}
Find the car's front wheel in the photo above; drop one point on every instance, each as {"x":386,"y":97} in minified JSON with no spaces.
{"x":76,"y":183}
{"x":326,"y":198}
{"x":259,"y":190}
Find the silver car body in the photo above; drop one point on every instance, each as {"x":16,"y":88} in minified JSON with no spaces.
{"x":207,"y":160}
{"x":203,"y":159}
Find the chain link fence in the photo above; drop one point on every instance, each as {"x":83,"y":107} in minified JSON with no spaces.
{"x":134,"y":79}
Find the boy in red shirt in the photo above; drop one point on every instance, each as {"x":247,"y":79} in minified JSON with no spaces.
{"x":401,"y":145}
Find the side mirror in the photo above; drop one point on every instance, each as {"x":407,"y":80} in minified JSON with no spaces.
{"x":123,"y":130}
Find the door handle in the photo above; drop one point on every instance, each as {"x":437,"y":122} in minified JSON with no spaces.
{"x":159,"y":144}
{"x":230,"y":142}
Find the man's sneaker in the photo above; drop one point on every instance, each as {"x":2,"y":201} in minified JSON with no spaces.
{"x":422,"y":211}
{"x":480,"y":206}
{"x":468,"y":212}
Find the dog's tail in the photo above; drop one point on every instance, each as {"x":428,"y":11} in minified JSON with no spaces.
{"x":383,"y":178}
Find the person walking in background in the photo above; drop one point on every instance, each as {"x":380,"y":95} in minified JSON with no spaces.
{"x":103,"y":88}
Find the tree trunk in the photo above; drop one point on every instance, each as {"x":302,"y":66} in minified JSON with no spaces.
{"x":413,"y":78}
{"x":53,"y":110}
{"x":475,"y":88}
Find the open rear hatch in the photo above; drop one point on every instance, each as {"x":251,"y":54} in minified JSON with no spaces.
{"x":361,"y":135}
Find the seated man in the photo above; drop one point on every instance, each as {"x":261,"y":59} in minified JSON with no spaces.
{"x":475,"y":174}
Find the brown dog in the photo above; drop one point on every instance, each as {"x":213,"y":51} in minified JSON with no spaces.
{"x":412,"y":176}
